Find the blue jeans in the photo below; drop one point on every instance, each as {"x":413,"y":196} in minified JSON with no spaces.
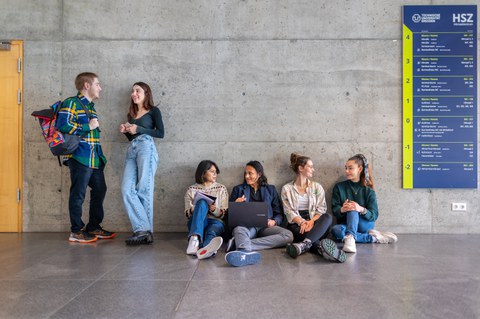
{"x":356,"y":226}
{"x":138,"y":182}
{"x":205,"y":228}
{"x":82,"y":176}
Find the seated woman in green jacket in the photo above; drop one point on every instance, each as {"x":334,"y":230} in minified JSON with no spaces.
{"x":354,"y":204}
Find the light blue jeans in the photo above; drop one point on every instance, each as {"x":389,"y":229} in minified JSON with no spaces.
{"x":202,"y":226}
{"x":138,"y":182}
{"x":357,"y":226}
{"x":255,"y":238}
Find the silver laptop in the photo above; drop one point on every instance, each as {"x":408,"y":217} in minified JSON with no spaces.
{"x":247,"y":214}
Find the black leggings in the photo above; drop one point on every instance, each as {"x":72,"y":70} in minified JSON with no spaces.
{"x":318,"y":231}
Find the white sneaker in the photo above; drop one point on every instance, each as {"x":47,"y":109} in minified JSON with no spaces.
{"x":210,"y":249}
{"x":349,"y":244}
{"x":193,"y":244}
{"x":391,"y":236}
{"x":383,"y":237}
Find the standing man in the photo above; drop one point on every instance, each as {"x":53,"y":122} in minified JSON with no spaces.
{"x":77,"y":116}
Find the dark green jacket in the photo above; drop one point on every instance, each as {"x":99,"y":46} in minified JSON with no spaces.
{"x":364,"y":196}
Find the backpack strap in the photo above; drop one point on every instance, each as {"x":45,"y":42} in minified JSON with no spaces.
{"x":87,"y":111}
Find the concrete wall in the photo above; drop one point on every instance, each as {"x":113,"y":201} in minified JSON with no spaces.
{"x":236,"y":80}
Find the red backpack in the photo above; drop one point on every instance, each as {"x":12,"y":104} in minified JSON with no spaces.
{"x":59,"y":143}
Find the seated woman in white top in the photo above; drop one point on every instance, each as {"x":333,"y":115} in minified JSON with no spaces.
{"x":306,"y":211}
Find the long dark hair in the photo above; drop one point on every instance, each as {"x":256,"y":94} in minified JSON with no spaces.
{"x":148,"y":104}
{"x":202,"y":168}
{"x":257,"y":166}
{"x":366,"y":177}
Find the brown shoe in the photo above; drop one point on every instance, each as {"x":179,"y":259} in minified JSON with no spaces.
{"x":101,"y":233}
{"x":82,"y":237}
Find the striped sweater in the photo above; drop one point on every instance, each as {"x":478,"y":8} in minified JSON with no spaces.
{"x":217,"y":190}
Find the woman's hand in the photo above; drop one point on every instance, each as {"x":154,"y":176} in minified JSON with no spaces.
{"x":309,"y":225}
{"x":358,"y":208}
{"x":223,"y":212}
{"x":124,"y":127}
{"x":345,"y":207}
{"x":350,"y":205}
{"x":271,"y":223}
{"x":303,"y":226}
{"x":240,"y":199}
{"x":132,"y":129}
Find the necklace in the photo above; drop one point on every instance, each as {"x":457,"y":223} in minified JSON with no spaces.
{"x":355,"y":192}
{"x":302,"y":190}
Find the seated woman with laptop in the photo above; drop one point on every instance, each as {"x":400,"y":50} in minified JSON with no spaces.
{"x":247,"y":240}
{"x":206,"y":203}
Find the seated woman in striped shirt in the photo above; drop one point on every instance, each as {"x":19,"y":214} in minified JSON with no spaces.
{"x":206,"y":204}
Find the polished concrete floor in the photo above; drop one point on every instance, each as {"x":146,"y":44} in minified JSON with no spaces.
{"x":42,"y":275}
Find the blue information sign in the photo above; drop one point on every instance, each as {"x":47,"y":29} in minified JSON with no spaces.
{"x":440,"y":96}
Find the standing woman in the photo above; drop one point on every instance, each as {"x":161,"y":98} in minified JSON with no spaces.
{"x":354,"y":203}
{"x":205,"y":221}
{"x":305,"y":207}
{"x":255,"y":188}
{"x":144,"y":123}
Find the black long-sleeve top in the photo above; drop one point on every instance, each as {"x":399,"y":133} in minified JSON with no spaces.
{"x":150,"y":123}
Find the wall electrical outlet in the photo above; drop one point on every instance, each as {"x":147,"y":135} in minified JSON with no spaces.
{"x":459,"y":207}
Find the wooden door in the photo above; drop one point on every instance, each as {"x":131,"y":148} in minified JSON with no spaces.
{"x":11,"y":105}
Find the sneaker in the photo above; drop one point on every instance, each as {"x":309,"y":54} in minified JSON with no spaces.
{"x":140,"y":238}
{"x":349,"y":244}
{"x":193,"y":244}
{"x":230,"y":245}
{"x":393,"y":238}
{"x":210,"y":249}
{"x":296,"y":249}
{"x":101,"y":233}
{"x":383,"y":237}
{"x":328,"y":249}
{"x":239,"y":258}
{"x":82,"y":237}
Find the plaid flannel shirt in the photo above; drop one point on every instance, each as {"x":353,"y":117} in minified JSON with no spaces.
{"x":72,"y":119}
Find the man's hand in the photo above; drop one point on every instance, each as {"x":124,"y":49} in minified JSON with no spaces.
{"x":93,"y":124}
